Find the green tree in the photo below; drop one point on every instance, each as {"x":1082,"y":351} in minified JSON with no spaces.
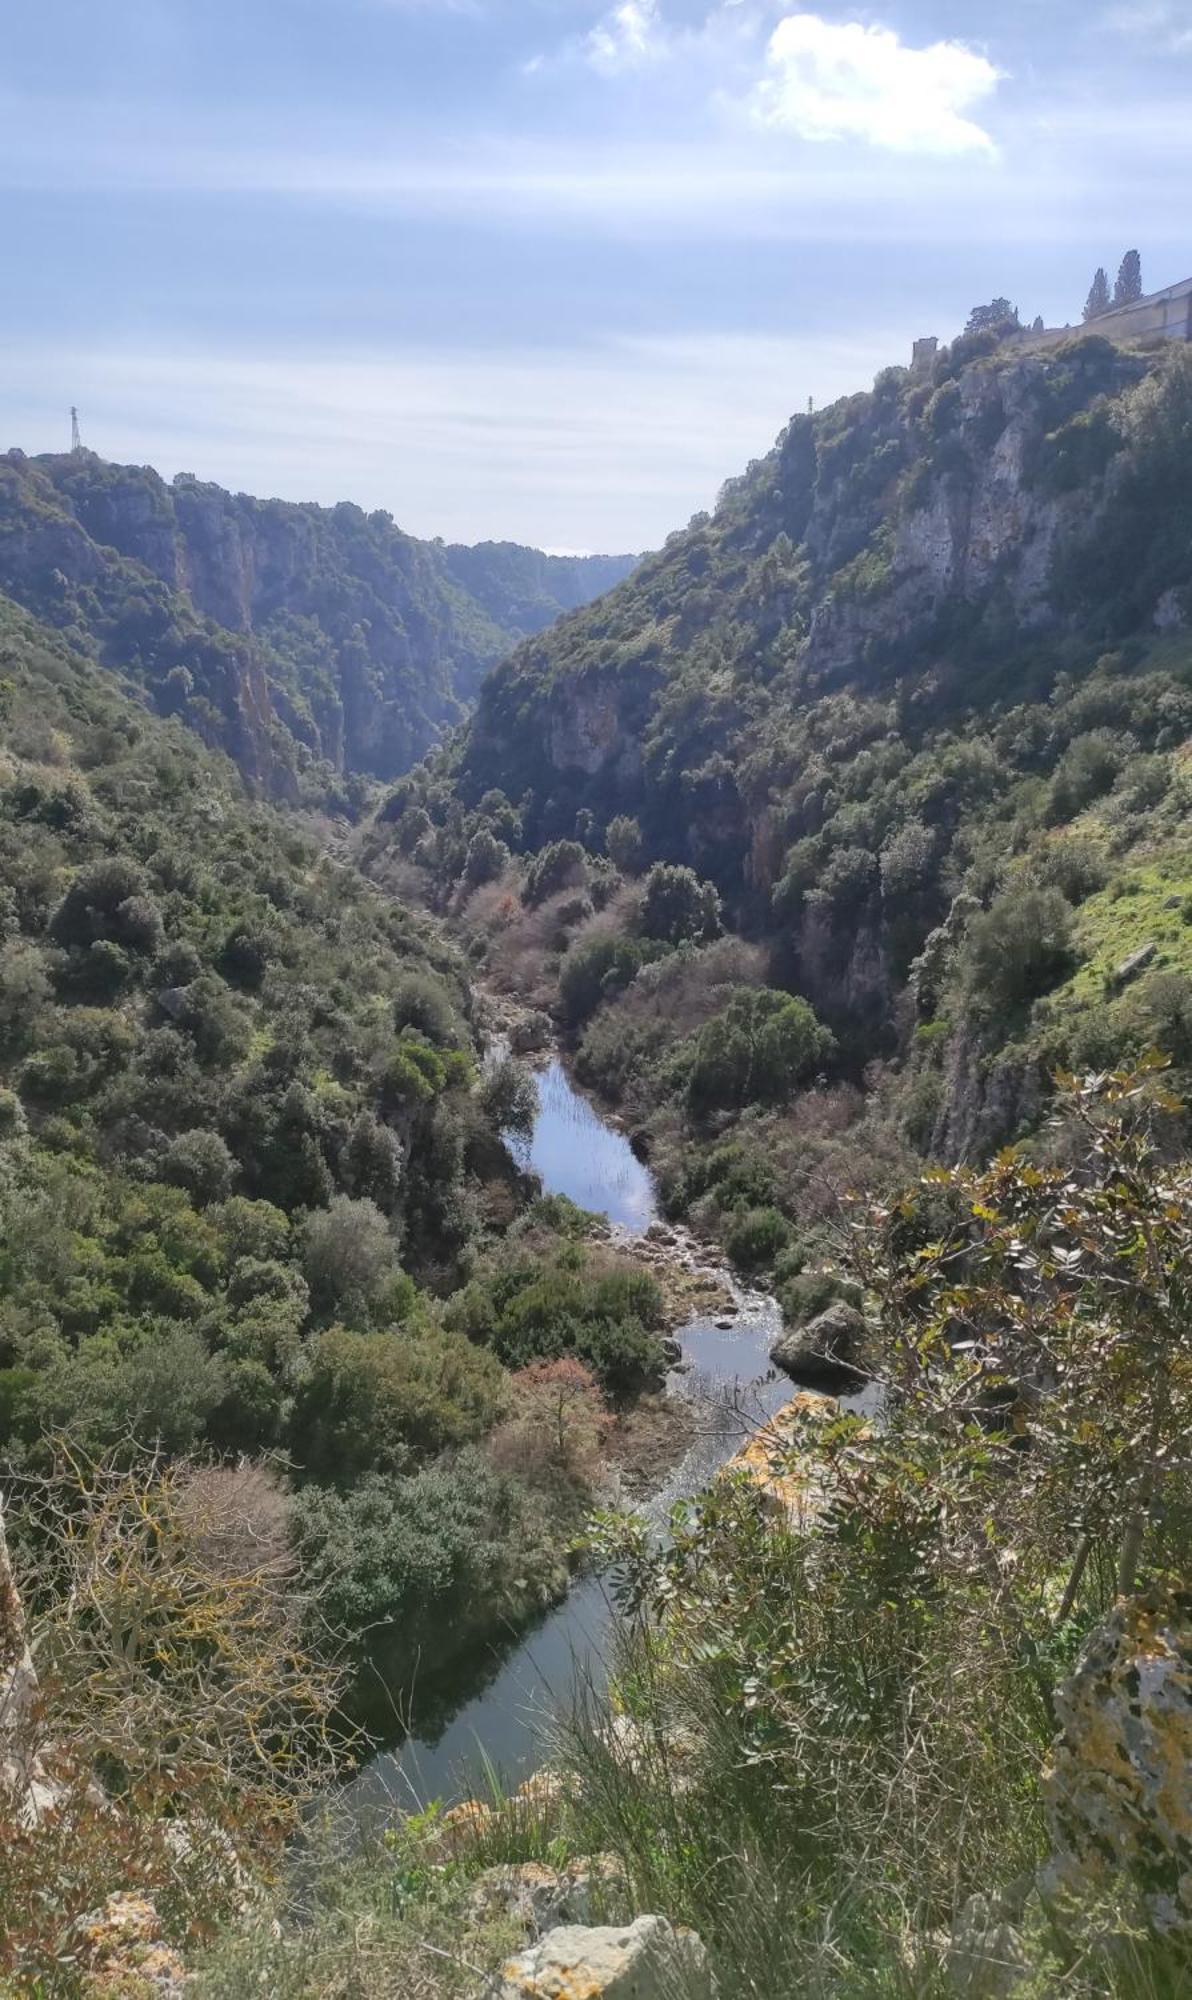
{"x":677,"y":907}
{"x":1098,"y":300}
{"x":1129,"y":280}
{"x":377,"y":1401}
{"x":624,"y":843}
{"x":999,"y":316}
{"x":756,"y":1051}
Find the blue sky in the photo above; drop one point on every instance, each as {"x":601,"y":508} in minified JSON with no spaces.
{"x":546,"y":269}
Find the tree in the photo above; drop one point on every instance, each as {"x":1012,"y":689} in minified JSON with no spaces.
{"x":373,"y":1401}
{"x":1129,"y":280}
{"x":756,"y":1051}
{"x":349,"y":1253}
{"x":1098,"y":300}
{"x":624,"y":843}
{"x":997,"y":317}
{"x":200,"y":1162}
{"x":678,"y":907}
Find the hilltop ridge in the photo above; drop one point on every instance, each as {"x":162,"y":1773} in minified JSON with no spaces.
{"x":317,"y":645}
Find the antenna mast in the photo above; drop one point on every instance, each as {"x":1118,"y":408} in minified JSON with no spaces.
{"x":76,"y":442}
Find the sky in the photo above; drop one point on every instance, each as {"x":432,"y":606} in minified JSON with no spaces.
{"x":546,"y":270}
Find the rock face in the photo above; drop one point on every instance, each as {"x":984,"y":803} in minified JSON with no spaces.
{"x":283,"y":633}
{"x":646,"y":1960}
{"x":1118,"y":1789}
{"x":541,"y":1898}
{"x":22,"y":1773}
{"x":826,"y":1353}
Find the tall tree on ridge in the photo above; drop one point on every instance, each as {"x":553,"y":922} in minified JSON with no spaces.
{"x":1098,"y":300}
{"x":1129,"y":280}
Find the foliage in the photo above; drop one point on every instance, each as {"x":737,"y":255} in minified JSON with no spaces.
{"x":603,"y":1314}
{"x":1098,"y":300}
{"x":755,"y":1052}
{"x":164,"y":1625}
{"x":379,"y":1401}
{"x":678,"y":907}
{"x":437,"y":1555}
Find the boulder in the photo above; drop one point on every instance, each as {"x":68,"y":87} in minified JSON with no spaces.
{"x":825,"y":1354}
{"x":531,"y":1034}
{"x":540,"y":1898}
{"x":1116,"y":1789}
{"x":648,"y":1959}
{"x":1136,"y":962}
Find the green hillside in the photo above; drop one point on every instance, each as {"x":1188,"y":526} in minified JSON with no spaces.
{"x":319,"y":646}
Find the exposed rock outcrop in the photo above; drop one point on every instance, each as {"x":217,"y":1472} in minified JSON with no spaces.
{"x":22,"y":1773}
{"x":648,"y":1959}
{"x":828,"y":1352}
{"x":541,"y":1898}
{"x":283,"y":633}
{"x":1118,"y":1790}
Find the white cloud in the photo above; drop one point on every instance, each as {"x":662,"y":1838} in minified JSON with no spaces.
{"x":1164,"y":23}
{"x":842,"y":80}
{"x":629,"y":37}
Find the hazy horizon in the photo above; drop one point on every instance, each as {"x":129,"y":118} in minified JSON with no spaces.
{"x":546,"y":273}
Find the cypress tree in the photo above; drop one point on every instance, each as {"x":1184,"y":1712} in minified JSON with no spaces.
{"x":1098,"y":298}
{"x":1129,"y":280}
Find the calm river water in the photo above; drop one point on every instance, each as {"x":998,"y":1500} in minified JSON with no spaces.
{"x":497,"y":1708}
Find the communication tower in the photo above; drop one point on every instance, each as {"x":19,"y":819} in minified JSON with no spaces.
{"x":76,"y":442}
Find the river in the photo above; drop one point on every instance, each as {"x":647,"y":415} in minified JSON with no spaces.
{"x":497,"y":1709}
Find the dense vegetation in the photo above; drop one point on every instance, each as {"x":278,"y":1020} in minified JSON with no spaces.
{"x":258,"y":1225}
{"x":909,"y":713}
{"x":320,"y":646}
{"x":830,"y":841}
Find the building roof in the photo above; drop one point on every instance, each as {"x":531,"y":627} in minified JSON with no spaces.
{"x":1178,"y":291}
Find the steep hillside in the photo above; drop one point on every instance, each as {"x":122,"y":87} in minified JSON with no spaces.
{"x":915,"y":702}
{"x":309,"y":642}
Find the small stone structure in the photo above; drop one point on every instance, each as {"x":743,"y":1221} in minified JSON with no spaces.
{"x":1166,"y":315}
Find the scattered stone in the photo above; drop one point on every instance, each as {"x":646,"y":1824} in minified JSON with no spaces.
{"x":1116,"y":1791}
{"x":1131,"y":966}
{"x":987,"y":1956}
{"x":725,"y":1325}
{"x":825,"y":1354}
{"x":646,"y":1960}
{"x":539,"y":1898}
{"x":126,"y":1952}
{"x":659,"y":1233}
{"x":531,"y":1034}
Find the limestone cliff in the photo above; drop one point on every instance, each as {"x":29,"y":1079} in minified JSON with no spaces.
{"x":307,"y":641}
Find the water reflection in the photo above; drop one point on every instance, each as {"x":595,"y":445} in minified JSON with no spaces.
{"x":576,"y":1154}
{"x":495,"y":1708}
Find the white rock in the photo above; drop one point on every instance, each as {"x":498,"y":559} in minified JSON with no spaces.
{"x":645,"y":1960}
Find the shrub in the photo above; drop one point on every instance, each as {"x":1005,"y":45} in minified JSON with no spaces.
{"x":201,"y":1163}
{"x":375,"y":1402}
{"x":596,"y":968}
{"x":1017,"y":949}
{"x":677,"y":906}
{"x":531,"y":1311}
{"x":756,"y":1051}
{"x":755,"y":1237}
{"x":423,"y":1005}
{"x":623,"y":841}
{"x":107,"y":901}
{"x":437,"y":1556}
{"x":509,"y":1097}
{"x":349,"y":1255}
{"x":562,"y":865}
